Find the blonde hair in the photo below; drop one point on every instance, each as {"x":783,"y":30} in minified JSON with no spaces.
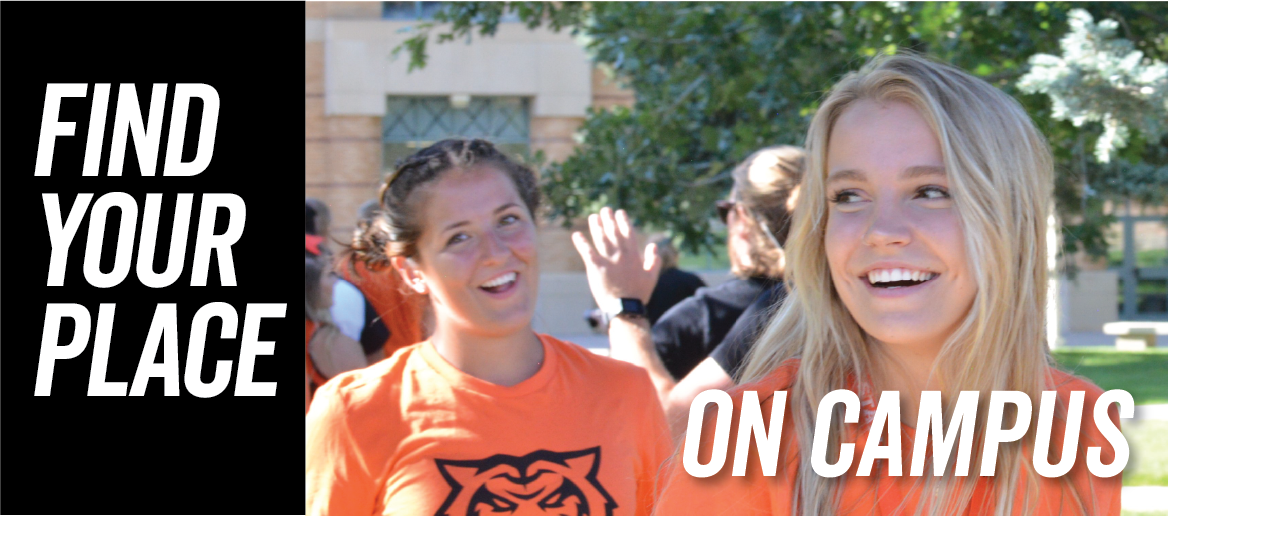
{"x":765,"y":185}
{"x":1000,"y":172}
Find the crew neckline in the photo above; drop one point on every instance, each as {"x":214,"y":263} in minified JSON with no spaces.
{"x":462,"y":380}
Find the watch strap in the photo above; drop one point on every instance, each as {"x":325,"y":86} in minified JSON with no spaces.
{"x":631,"y":308}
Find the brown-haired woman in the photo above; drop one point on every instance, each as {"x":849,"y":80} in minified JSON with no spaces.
{"x":486,"y":417}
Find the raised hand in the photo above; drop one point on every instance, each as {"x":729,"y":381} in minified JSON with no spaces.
{"x":617,"y":266}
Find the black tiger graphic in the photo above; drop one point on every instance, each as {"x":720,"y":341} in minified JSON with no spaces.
{"x":540,"y":483}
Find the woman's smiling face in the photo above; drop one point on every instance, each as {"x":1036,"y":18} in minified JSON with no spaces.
{"x":477,"y":255}
{"x":894,"y":240}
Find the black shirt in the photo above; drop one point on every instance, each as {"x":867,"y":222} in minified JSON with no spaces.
{"x":689,"y":331}
{"x":732,"y":351}
{"x":673,"y":286}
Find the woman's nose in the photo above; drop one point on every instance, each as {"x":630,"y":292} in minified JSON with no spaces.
{"x":495,"y":249}
{"x":887,"y":227}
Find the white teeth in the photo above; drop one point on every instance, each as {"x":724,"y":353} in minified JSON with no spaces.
{"x":499,"y":281}
{"x":898,"y":274}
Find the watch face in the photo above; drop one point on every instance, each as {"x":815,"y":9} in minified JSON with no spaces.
{"x":632,"y":306}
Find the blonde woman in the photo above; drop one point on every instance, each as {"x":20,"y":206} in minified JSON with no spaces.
{"x":917,"y":263}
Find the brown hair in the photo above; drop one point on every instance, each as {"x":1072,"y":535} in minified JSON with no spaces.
{"x":395,"y":231}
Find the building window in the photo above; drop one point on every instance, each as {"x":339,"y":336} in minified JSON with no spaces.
{"x":1139,"y":252}
{"x":426,"y":10}
{"x":415,"y":122}
{"x":410,"y":10}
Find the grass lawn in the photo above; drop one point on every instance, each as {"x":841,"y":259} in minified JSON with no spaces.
{"x":1145,"y":258}
{"x":1147,"y":453}
{"x":1143,"y":374}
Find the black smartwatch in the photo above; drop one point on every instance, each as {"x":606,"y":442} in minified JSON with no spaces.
{"x":631,"y":308}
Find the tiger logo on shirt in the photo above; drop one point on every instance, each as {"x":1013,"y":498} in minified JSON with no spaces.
{"x":540,"y":483}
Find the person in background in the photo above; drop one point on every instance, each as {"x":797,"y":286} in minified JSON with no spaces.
{"x":485,"y":417}
{"x":328,"y":351}
{"x":393,"y":305}
{"x":674,"y":284}
{"x":352,"y":311}
{"x":677,"y":350}
{"x":318,"y":218}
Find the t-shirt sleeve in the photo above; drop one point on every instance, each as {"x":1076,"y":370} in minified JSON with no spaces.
{"x":722,"y":494}
{"x":657,"y":454}
{"x":338,"y":480}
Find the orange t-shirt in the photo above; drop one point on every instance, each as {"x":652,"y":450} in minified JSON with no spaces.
{"x":400,"y":308}
{"x":412,"y":435}
{"x":880,"y":493}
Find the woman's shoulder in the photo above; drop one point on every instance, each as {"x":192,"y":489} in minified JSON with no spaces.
{"x":576,"y":357}
{"x":1064,"y":382}
{"x":781,"y":378}
{"x":371,"y":386}
{"x":603,"y":378}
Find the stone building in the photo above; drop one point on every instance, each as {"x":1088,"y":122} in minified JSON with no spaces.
{"x":526,"y":90}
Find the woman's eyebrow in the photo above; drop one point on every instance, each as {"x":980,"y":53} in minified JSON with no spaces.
{"x":499,"y":209}
{"x":909,"y":173}
{"x":847,"y":175}
{"x":922,"y":171}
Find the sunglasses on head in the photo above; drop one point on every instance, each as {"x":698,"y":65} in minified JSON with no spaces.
{"x":722,"y":207}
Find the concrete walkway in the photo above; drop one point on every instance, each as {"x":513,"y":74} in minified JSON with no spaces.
{"x":1101,"y":339}
{"x":1151,"y":411}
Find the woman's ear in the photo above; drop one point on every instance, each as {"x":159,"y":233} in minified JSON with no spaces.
{"x":410,"y":273}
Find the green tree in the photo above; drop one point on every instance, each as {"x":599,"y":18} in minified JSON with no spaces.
{"x":716,"y":81}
